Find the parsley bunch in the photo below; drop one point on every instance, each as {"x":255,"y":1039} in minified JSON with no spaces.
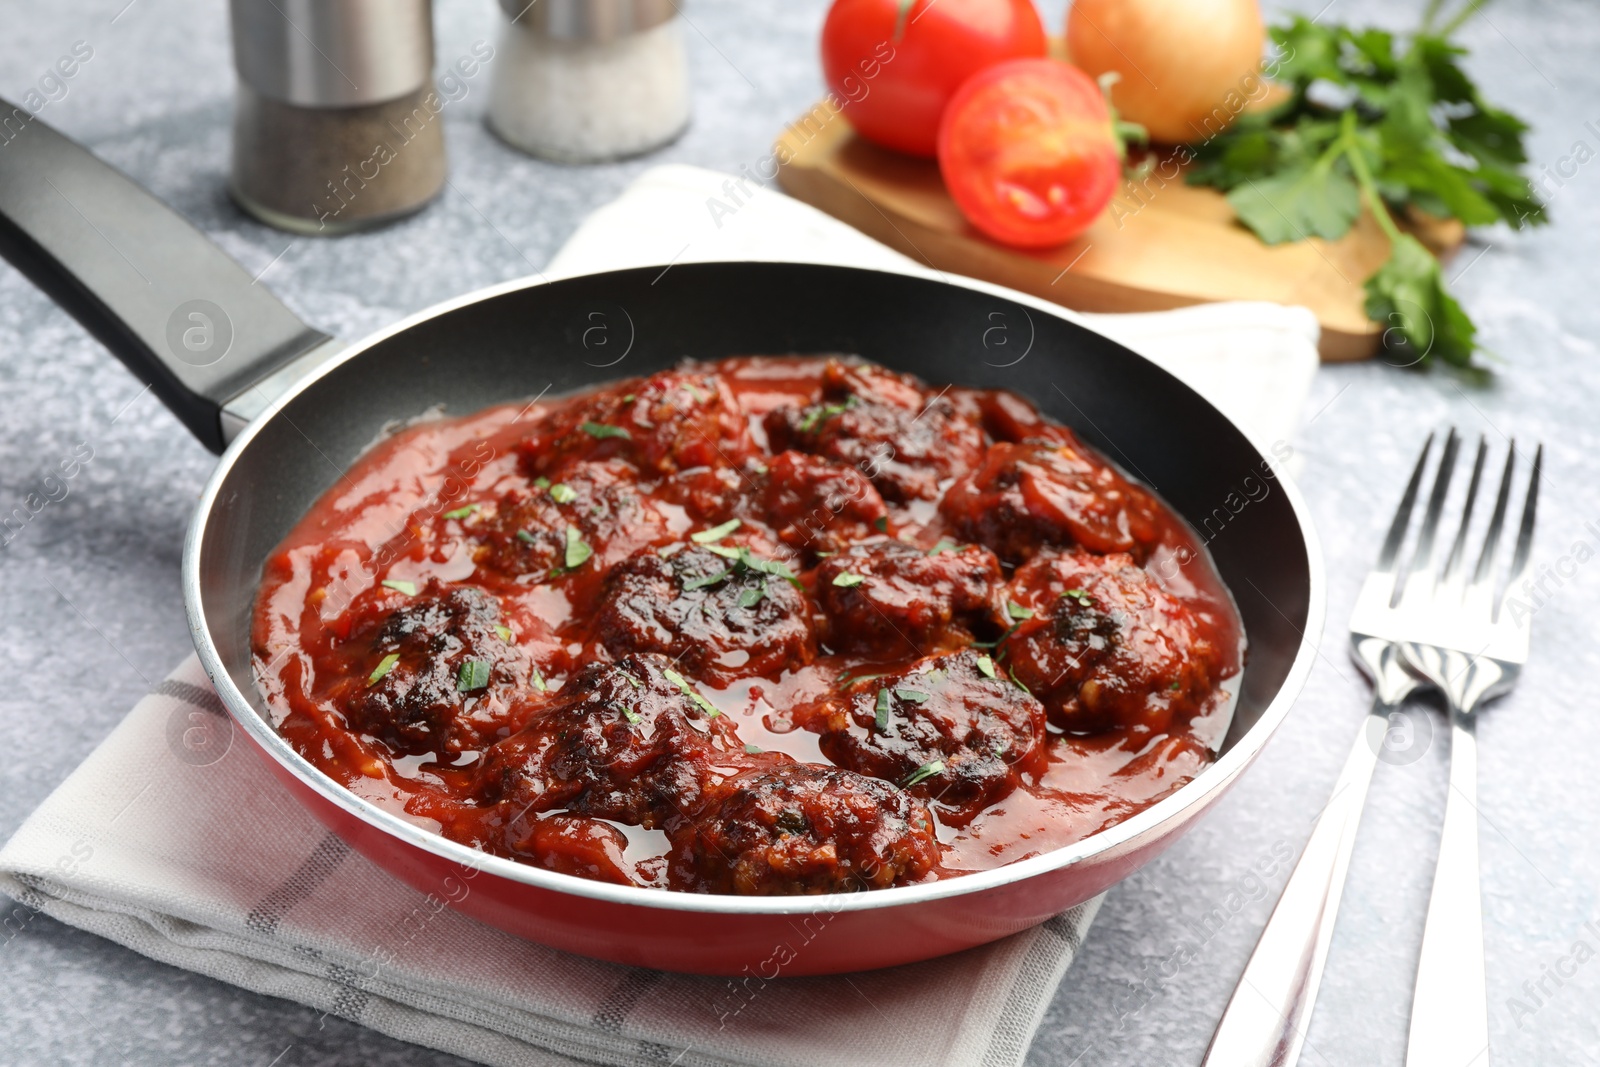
{"x":1392,"y":124}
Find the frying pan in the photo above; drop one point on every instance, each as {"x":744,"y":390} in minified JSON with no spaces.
{"x":237,"y":366}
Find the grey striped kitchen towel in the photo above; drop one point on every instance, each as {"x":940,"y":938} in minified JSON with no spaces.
{"x":177,"y":842}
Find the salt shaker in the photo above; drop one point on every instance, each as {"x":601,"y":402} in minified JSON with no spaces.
{"x":583,"y":81}
{"x":337,"y":125}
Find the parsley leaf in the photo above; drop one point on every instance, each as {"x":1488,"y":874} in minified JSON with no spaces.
{"x":847,"y":580}
{"x":385,"y":665}
{"x":600,"y":431}
{"x":693,"y":694}
{"x":463,"y":512}
{"x":924,"y":772}
{"x":1390,"y":123}
{"x":474,"y":674}
{"x":716,"y":533}
{"x":578,"y":550}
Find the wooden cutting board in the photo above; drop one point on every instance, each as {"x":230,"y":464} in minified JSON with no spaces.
{"x":1160,"y":244}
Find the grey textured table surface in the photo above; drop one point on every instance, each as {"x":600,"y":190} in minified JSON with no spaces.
{"x":90,"y":612}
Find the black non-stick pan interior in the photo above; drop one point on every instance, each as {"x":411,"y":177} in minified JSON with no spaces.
{"x":583,"y":331}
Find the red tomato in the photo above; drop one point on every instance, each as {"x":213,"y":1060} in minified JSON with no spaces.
{"x":1028,"y":151}
{"x":894,"y":78}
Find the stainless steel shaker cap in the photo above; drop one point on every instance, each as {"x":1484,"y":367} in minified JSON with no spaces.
{"x":589,"y":20}
{"x":333,"y":53}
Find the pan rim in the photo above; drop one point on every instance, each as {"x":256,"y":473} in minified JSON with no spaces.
{"x":1122,"y":838}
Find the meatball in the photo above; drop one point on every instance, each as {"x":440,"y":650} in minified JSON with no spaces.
{"x":953,"y":730}
{"x":816,"y":505}
{"x":1025,"y":497}
{"x":719,"y":618}
{"x":440,"y":674}
{"x":673,"y":420}
{"x":886,"y":425}
{"x":803,"y":828}
{"x":893,"y":599}
{"x":1107,"y":647}
{"x":631,"y":741}
{"x":596,"y":511}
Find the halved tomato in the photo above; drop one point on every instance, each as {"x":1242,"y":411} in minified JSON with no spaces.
{"x":895,"y":63}
{"x":1029,"y":152}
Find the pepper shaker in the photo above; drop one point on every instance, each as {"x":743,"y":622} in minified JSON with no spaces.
{"x":337,"y":124}
{"x":584,"y":81}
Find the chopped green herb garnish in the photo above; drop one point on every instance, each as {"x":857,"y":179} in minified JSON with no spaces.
{"x":542,"y":482}
{"x":474,"y":674}
{"x":912,"y":696}
{"x":847,"y":580}
{"x":538,"y":680}
{"x":1176,"y":685}
{"x":824,"y":413}
{"x":986,"y":666}
{"x":525,"y":537}
{"x":631,"y":715}
{"x":750,"y":561}
{"x":706,"y":579}
{"x":924,"y":772}
{"x":578,"y":550}
{"x":882,"y":712}
{"x":752,"y":750}
{"x":1079,"y":595}
{"x":752,"y":596}
{"x":693,"y":694}
{"x":505,"y":633}
{"x":400,"y":586}
{"x":628,"y":399}
{"x":632,"y":680}
{"x":716,"y":533}
{"x":942,"y":547}
{"x":695,"y":391}
{"x":881,"y":524}
{"x":385,"y":665}
{"x":601,"y":431}
{"x":462,"y":512}
{"x":1017,"y":611}
{"x":1013,"y":672}
{"x":562,"y":493}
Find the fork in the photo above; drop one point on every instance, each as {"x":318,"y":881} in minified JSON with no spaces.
{"x":1265,"y":1022}
{"x":1466,"y":646}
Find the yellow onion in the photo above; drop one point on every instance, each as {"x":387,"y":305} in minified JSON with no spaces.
{"x":1187,"y":67}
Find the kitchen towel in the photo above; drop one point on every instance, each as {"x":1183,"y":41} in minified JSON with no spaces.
{"x":174,"y":840}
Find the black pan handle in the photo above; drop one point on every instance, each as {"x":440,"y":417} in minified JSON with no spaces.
{"x":165,"y":300}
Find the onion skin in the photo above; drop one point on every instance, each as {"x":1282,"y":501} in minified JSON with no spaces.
{"x":1187,"y":67}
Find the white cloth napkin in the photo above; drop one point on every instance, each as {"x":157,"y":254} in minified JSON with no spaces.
{"x":178,"y":843}
{"x":175,"y":840}
{"x":1253,"y":360}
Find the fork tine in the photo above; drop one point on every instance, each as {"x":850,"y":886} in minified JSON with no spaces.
{"x":1452,"y":562}
{"x":1524,"y":551}
{"x":1402,"y":515}
{"x":1484,"y":572}
{"x":1422,"y":557}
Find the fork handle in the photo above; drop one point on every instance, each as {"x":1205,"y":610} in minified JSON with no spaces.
{"x":1449,"y":1010}
{"x":1266,"y":1019}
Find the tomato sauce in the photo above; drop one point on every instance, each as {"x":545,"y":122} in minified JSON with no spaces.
{"x":765,"y":625}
